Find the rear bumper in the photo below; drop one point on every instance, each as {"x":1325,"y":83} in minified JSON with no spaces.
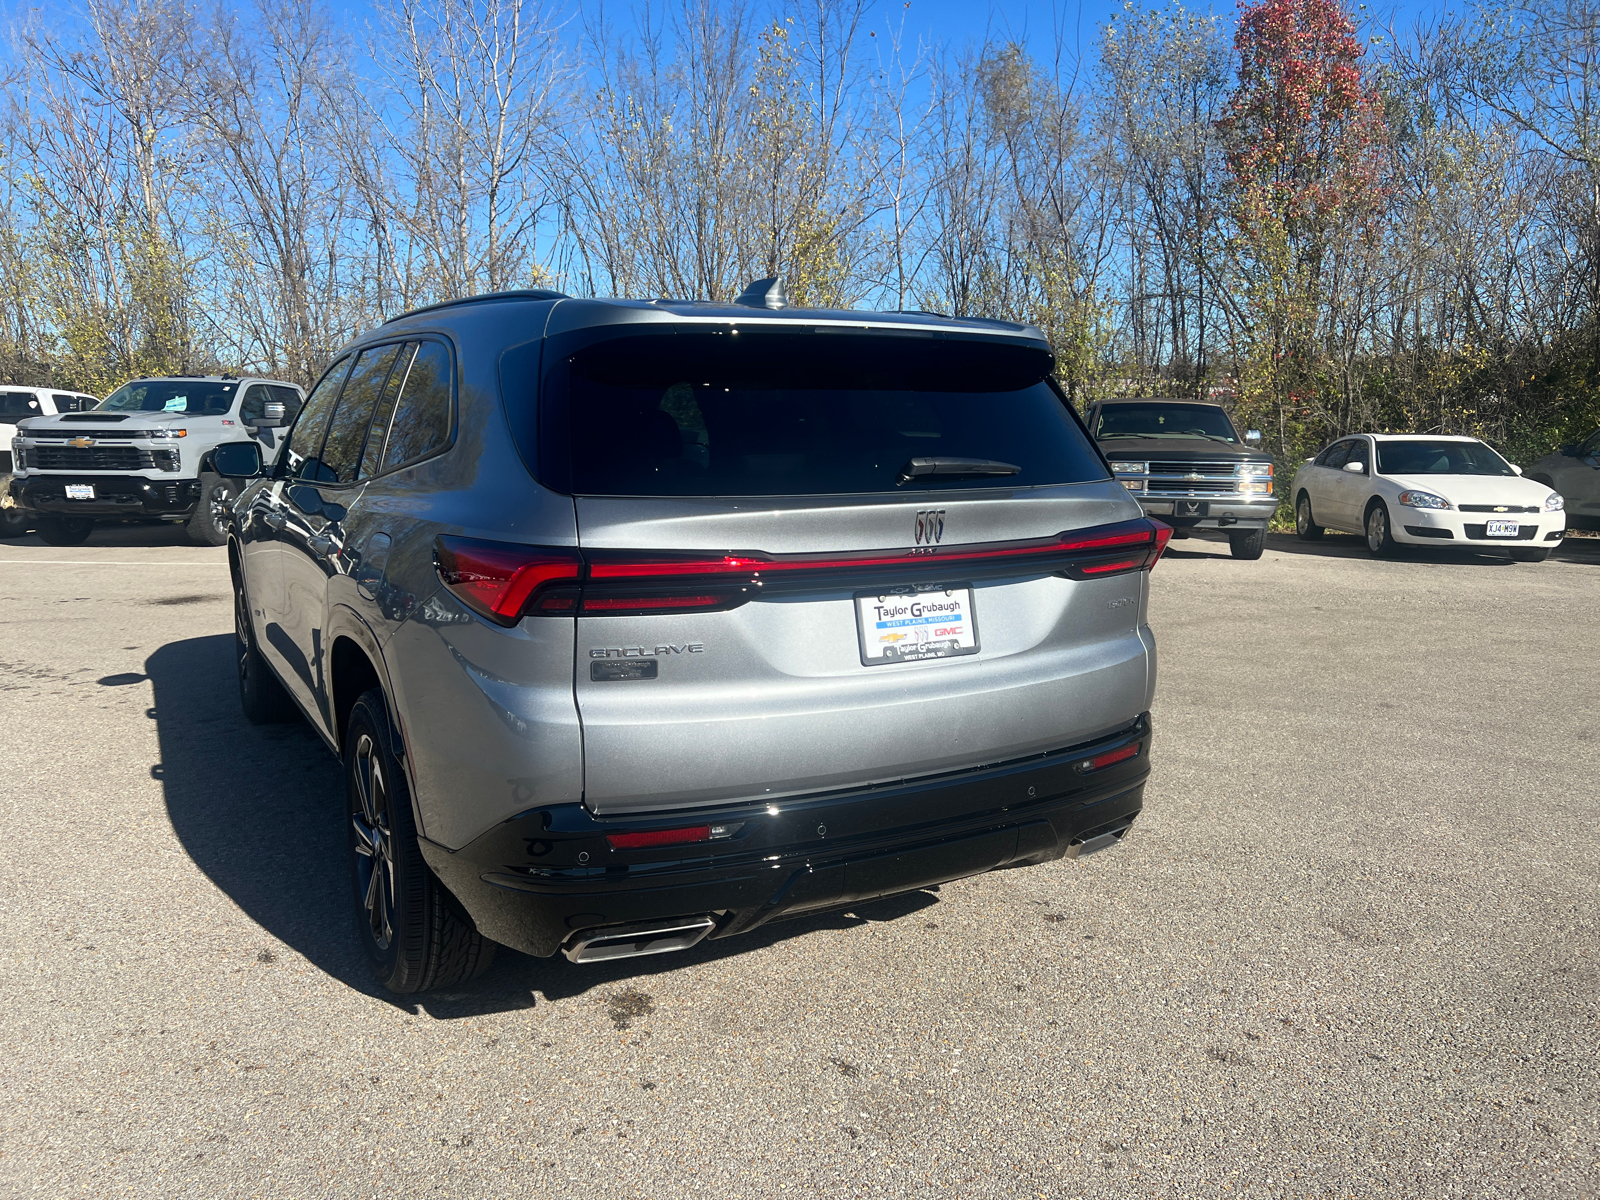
{"x":116,"y":496}
{"x":535,"y":881}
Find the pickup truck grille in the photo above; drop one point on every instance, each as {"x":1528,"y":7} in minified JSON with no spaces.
{"x":1223,"y":469}
{"x":90,"y":458}
{"x":1190,"y":487}
{"x":116,"y":435}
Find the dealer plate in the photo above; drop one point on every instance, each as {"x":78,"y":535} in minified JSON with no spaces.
{"x":1502,"y":529}
{"x":80,"y":491}
{"x":911,"y":625}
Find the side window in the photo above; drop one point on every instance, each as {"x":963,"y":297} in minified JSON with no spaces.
{"x":1359,"y":452}
{"x":341,"y":452}
{"x":255,"y":402}
{"x":255,"y":399}
{"x":372,"y":457}
{"x":425,"y":411}
{"x":1591,"y":448}
{"x":305,"y":439}
{"x":1335,"y":455}
{"x":65,"y":403}
{"x":16,"y":405}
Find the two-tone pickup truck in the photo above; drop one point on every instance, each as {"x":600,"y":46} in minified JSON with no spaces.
{"x":1185,"y":463}
{"x":144,"y":454}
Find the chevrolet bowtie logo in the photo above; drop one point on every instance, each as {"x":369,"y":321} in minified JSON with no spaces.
{"x":81,"y":442}
{"x":1501,"y":508}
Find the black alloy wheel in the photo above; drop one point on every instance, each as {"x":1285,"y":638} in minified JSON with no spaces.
{"x":1380,"y":537}
{"x":261,"y":693}
{"x":1305,"y":526}
{"x":415,"y":933}
{"x":63,"y":531}
{"x":208,"y":524}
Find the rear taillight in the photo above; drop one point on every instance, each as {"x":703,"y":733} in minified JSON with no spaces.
{"x":1111,"y":757}
{"x":506,"y":581}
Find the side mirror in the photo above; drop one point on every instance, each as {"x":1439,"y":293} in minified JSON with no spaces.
{"x":1516,"y":468}
{"x":1570,"y":451}
{"x":1356,"y":468}
{"x":273,"y":414}
{"x":240,"y":460}
{"x":1252,"y":435}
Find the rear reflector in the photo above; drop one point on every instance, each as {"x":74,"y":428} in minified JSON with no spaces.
{"x":1111,"y":757}
{"x":659,"y":837}
{"x":507,"y":581}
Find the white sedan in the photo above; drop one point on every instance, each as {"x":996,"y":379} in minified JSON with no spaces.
{"x":1425,"y":490}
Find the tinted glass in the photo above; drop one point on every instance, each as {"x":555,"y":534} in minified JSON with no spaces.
{"x":372,"y":457}
{"x":1160,"y":419}
{"x":423,"y":414}
{"x":65,"y":404}
{"x":1360,"y":452}
{"x":1335,"y":455}
{"x":305,"y":439}
{"x":256,"y":398}
{"x":347,"y":433}
{"x":1592,"y":446}
{"x":770,"y":414}
{"x":1427,"y":457}
{"x":192,"y":397}
{"x":17,"y":405}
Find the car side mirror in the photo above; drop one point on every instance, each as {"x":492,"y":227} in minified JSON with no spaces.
{"x":1569,"y":451}
{"x":240,"y":460}
{"x":273,"y":414}
{"x":1252,"y":435}
{"x":1516,"y":468}
{"x":1356,"y":468}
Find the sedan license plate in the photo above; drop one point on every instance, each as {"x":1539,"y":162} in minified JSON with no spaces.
{"x":80,"y":491}
{"x":1502,"y":529}
{"x":908,"y":626}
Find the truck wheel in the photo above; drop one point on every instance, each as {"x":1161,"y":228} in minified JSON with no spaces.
{"x":1380,"y":539}
{"x":1529,"y":555}
{"x":1305,"y":527}
{"x":13,"y":522}
{"x":415,"y":934}
{"x":1248,"y":543}
{"x":261,"y":693}
{"x":64,"y":531}
{"x":208,"y":525}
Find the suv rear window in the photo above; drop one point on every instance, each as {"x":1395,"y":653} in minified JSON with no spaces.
{"x":759,"y":413}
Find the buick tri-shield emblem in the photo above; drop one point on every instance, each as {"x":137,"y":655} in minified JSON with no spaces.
{"x":930,"y":526}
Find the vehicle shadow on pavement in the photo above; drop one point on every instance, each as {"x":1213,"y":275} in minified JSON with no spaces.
{"x":164,"y":534}
{"x":260,"y":810}
{"x":1343,"y":545}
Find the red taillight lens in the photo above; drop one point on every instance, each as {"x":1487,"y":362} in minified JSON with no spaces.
{"x":1111,"y":757}
{"x":502,"y":580}
{"x":1163,"y":536}
{"x":659,"y":837}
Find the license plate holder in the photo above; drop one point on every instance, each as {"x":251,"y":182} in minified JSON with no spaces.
{"x":1506,"y":529}
{"x":912,"y":624}
{"x":80,"y":491}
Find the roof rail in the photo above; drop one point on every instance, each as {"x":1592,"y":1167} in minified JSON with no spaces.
{"x":513,"y":294}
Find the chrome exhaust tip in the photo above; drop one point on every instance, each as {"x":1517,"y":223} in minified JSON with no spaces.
{"x":635,"y":941}
{"x":1099,"y":839}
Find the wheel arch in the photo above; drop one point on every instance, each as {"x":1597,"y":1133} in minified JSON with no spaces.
{"x":356,"y":665}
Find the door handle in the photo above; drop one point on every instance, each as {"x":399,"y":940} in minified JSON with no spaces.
{"x":319,"y":544}
{"x":274,"y":520}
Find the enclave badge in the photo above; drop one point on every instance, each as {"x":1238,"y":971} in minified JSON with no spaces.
{"x":930,"y":526}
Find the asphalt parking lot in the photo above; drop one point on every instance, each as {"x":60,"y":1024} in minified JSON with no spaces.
{"x":1349,"y":950}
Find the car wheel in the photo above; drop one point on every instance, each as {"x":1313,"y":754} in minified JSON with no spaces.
{"x":1248,"y":544}
{"x":261,"y":693}
{"x":64,"y":531}
{"x":1529,"y":555}
{"x":1379,"y":538}
{"x":415,"y":934}
{"x":13,"y":522}
{"x":1305,"y":528}
{"x":208,"y":524}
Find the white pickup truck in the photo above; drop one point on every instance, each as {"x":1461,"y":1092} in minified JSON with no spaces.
{"x":144,"y":454}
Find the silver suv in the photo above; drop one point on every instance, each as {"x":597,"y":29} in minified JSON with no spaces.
{"x":640,"y":622}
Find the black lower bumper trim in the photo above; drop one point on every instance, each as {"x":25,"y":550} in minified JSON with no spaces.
{"x":534,"y":880}
{"x":115,"y":496}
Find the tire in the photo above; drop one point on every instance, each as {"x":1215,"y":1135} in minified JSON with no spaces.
{"x":261,"y":693}
{"x":63,"y":531}
{"x":1380,"y":538}
{"x":1248,"y":544}
{"x":1529,"y":555}
{"x":413,"y":930}
{"x":14,"y":523}
{"x":1305,"y":527}
{"x":208,"y":524}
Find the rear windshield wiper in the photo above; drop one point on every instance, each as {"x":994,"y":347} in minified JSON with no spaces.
{"x":951,"y":468}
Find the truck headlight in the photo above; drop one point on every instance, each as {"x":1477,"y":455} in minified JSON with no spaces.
{"x":1555,"y":502}
{"x":1423,"y":500}
{"x":1254,"y":469}
{"x":1121,"y":469}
